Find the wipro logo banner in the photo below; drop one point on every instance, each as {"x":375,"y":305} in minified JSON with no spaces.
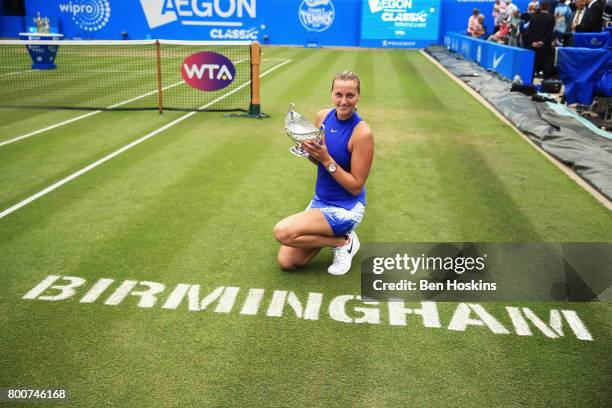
{"x":88,"y":15}
{"x":198,"y":12}
{"x":208,"y":71}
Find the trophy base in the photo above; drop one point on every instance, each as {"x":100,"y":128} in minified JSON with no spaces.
{"x":298,"y":151}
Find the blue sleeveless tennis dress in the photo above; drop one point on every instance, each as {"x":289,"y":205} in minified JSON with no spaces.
{"x":342,"y":210}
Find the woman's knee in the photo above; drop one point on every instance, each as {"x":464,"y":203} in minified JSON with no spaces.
{"x":286,"y":263}
{"x":283,"y":234}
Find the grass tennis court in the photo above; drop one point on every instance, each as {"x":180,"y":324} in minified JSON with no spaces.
{"x":195,"y":204}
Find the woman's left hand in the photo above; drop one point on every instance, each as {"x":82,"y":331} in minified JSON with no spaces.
{"x":317,"y":151}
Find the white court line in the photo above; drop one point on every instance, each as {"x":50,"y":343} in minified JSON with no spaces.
{"x":118,"y":71}
{"x":14,"y":72}
{"x":36,"y":132}
{"x":126,"y":147}
{"x":48,"y":128}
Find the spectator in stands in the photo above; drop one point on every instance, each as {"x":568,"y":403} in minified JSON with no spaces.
{"x":563,"y":18}
{"x":592,"y":21}
{"x":578,"y":14}
{"x":499,"y":13}
{"x":531,"y":10}
{"x":473,"y":22}
{"x":534,"y":4}
{"x":513,"y":34}
{"x":538,"y":37}
{"x":525,"y":19}
{"x":553,"y":6}
{"x":510,"y":9}
{"x":481,"y":28}
{"x":501,"y":35}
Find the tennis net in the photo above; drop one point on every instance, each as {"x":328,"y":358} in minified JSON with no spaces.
{"x":130,"y":75}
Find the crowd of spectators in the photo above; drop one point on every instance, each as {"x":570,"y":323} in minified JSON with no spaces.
{"x":568,"y":16}
{"x":543,"y":26}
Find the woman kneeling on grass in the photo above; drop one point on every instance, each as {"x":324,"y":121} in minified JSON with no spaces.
{"x":343,"y":158}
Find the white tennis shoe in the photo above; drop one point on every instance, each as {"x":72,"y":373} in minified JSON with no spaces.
{"x":343,"y":256}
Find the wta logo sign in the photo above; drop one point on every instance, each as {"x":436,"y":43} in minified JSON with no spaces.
{"x":88,"y":15}
{"x":316,"y":15}
{"x":208,"y":71}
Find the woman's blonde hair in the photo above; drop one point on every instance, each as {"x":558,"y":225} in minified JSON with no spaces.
{"x":347,"y":76}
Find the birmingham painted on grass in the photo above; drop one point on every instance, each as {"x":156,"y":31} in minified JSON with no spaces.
{"x":151,"y":294}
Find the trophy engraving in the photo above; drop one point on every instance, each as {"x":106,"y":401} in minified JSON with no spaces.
{"x":299,"y":129}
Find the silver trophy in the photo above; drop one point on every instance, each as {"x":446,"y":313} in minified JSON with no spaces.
{"x":299,"y":129}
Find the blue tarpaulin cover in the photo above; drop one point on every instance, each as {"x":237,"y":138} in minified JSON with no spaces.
{"x":580,"y":69}
{"x":593,"y":40}
{"x":604,"y":85}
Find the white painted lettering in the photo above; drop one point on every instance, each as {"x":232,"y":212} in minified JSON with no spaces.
{"x":147,"y":296}
{"x":66,"y":290}
{"x":252,"y":302}
{"x":96,"y":290}
{"x":552,"y":330}
{"x":280,"y":297}
{"x":461,"y":319}
{"x":369,"y":314}
{"x":337,"y":308}
{"x":428,"y":311}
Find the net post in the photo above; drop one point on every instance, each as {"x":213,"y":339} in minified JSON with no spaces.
{"x":160,"y":97}
{"x":255,"y":106}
